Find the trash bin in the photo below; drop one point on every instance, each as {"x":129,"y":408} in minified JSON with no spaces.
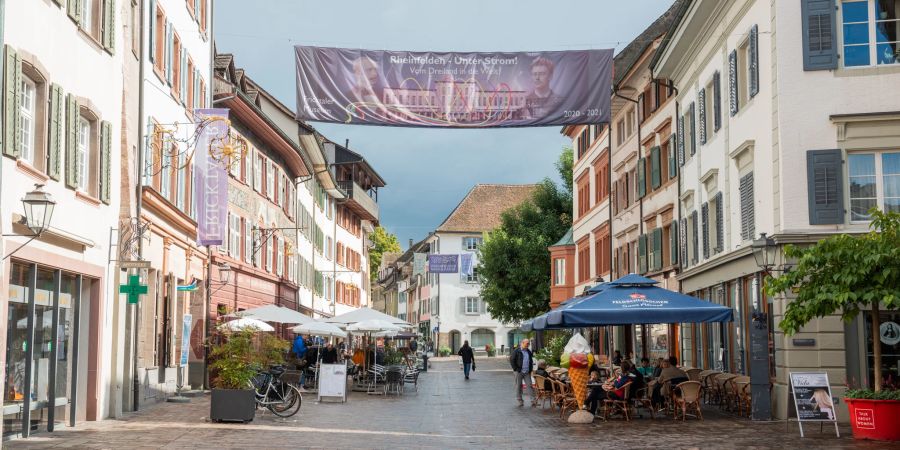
{"x":425,"y":362}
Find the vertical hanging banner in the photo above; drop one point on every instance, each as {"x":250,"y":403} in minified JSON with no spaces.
{"x":419,"y":260}
{"x":453,"y":90}
{"x":210,"y":177}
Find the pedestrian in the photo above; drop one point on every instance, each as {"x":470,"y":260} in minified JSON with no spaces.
{"x":329,"y":354}
{"x":299,"y":350}
{"x":468,"y":358}
{"x":522,"y":362}
{"x":413,"y":346}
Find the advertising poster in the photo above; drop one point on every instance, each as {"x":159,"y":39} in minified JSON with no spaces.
{"x":812,"y":396}
{"x":443,"y":263}
{"x":447,"y":90}
{"x":210,"y":179}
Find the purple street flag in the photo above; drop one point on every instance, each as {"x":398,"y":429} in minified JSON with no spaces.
{"x":465,"y":263}
{"x":453,"y":90}
{"x":443,"y":263}
{"x":210,"y":180}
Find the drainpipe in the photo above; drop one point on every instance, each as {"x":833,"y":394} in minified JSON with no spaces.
{"x":671,"y":86}
{"x":138,"y":203}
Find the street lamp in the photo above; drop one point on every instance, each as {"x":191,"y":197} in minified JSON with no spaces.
{"x":224,"y":273}
{"x":764,"y":250}
{"x":38,"y":209}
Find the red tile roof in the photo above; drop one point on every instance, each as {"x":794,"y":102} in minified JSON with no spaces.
{"x":480,"y":210}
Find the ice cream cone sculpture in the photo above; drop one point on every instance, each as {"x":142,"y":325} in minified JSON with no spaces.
{"x":579,"y":378}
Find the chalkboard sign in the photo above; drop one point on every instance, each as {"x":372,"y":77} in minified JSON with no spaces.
{"x":812,"y":398}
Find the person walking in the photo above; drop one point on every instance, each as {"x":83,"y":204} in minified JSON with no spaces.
{"x":468,"y":358}
{"x":522,"y":362}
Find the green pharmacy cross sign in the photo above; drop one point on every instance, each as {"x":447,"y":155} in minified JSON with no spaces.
{"x":133,"y":289}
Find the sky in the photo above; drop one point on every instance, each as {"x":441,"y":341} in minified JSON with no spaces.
{"x":428,"y":171}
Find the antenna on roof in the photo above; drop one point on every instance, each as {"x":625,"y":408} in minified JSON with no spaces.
{"x":347,"y":144}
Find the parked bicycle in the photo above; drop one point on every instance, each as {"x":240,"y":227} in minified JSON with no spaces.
{"x":282,"y":398}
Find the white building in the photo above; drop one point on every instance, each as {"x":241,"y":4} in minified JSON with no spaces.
{"x":788,"y":127}
{"x":455,"y":305}
{"x":62,"y":110}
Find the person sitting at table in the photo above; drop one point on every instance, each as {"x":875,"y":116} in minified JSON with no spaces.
{"x":671,"y":375}
{"x":596,"y":394}
{"x":645,"y":370}
{"x":542,"y":371}
{"x":617,"y":358}
{"x":659,"y":367}
{"x":616,"y":389}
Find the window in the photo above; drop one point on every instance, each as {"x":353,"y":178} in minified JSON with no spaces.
{"x":177,"y":57}
{"x":158,"y":51}
{"x":601,"y":251}
{"x":601,"y":179}
{"x":180,"y":173}
{"x":708,"y":108}
{"x":270,"y":180}
{"x":874,"y":181}
{"x":584,"y":260}
{"x":690,"y":138}
{"x":234,"y":236}
{"x":270,"y":249}
{"x":258,"y":173}
{"x":472,"y":305}
{"x":90,"y":17}
{"x":559,"y":271}
{"x":248,"y":241}
{"x":584,"y":193}
{"x":472,"y":278}
{"x":279,"y":256}
{"x":471,"y":243}
{"x":82,"y":153}
{"x":27,"y":120}
{"x":861,"y":20}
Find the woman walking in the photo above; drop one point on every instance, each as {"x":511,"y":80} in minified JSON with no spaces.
{"x":468,"y":358}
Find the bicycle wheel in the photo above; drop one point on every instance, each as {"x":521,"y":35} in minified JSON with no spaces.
{"x":290,"y":402}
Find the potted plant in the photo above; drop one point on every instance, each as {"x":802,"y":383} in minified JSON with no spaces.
{"x":847,"y":274}
{"x":233,"y":365}
{"x":444,"y":351}
{"x":490,"y":350}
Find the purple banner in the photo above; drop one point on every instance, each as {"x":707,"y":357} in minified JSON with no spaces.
{"x":443,"y":263}
{"x":210,"y":179}
{"x":467,"y":90}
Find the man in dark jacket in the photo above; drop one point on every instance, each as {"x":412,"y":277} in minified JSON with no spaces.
{"x":522,"y":362}
{"x":468,"y":358}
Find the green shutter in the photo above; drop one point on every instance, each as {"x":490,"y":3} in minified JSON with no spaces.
{"x":641,"y":177}
{"x":12,"y":84}
{"x":105,"y":160}
{"x":655,"y":170}
{"x":55,"y":135}
{"x":673,"y":243}
{"x":74,"y":8}
{"x":642,"y":254}
{"x":109,"y":25}
{"x":673,"y":163}
{"x":71,"y":141}
{"x":152,"y":29}
{"x":657,"y":249}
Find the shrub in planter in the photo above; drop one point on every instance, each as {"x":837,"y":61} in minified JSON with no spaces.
{"x":874,"y":415}
{"x":444,"y":351}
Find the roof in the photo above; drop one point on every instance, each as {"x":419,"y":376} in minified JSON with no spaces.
{"x":629,"y":55}
{"x":483,"y":206}
{"x":565,"y":240}
{"x":683,"y":7}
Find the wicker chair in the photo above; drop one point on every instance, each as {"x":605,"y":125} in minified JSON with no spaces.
{"x":740,"y":387}
{"x":640,"y":400}
{"x":723,"y":389}
{"x":707,"y":380}
{"x":694,"y":374}
{"x":567,"y":398}
{"x":685,"y":396}
{"x":542,"y":394}
{"x":612,"y":406}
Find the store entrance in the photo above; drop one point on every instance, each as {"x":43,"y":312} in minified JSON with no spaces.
{"x":42,"y":332}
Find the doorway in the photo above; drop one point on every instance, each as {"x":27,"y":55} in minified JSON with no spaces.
{"x":455,"y":342}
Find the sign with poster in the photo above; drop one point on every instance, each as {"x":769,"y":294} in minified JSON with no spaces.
{"x":333,"y":381}
{"x":812,"y":398}
{"x":453,"y":90}
{"x":443,"y":263}
{"x":210,"y":178}
{"x":185,"y":338}
{"x":890,"y":333}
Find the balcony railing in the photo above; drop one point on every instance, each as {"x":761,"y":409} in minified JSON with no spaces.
{"x":359,"y":196}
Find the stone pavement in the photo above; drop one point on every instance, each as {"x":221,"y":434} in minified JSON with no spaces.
{"x":447,"y":412}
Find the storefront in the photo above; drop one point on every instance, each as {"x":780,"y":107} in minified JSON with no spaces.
{"x":48,"y":353}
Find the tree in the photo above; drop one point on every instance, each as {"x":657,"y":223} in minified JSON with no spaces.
{"x":845,"y":273}
{"x":384,"y":243}
{"x":514,"y":263}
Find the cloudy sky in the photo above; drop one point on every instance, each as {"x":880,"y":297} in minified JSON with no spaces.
{"x":428,"y":171}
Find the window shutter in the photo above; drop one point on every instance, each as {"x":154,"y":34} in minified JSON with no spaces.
{"x":182,"y":91}
{"x":717,"y":101}
{"x":105,"y":160}
{"x":692,"y":130}
{"x":704,"y":210}
{"x":73,"y":8}
{"x":197,"y":10}
{"x":681,"y":232}
{"x":673,"y":163}
{"x":170,"y":58}
{"x":152,"y":30}
{"x":754,"y":61}
{"x":824,"y":184}
{"x":641,"y":188}
{"x":655,"y":169}
{"x":732,"y":83}
{"x":109,"y":25}
{"x":12,"y":85}
{"x":483,"y":305}
{"x":197,"y":90}
{"x":695,"y":237}
{"x":657,"y":249}
{"x":701,"y":98}
{"x":642,"y":253}
{"x":55,"y":135}
{"x":748,"y":223}
{"x":720,"y":223}
{"x":462,"y":305}
{"x":71,"y":141}
{"x":819,"y":46}
{"x":680,"y":130}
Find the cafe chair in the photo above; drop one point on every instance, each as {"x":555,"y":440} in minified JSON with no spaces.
{"x":642,"y":400}
{"x":621,"y":406}
{"x":542,"y":394}
{"x":686,"y":396}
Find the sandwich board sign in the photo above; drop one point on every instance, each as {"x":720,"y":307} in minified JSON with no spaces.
{"x":812,"y":399}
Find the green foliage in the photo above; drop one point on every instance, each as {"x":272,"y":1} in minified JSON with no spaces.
{"x":514,"y":263}
{"x":235,"y":357}
{"x":552,"y":352}
{"x":384,"y":243}
{"x":444,"y":351}
{"x":843,"y":273}
{"x":887,"y":394}
{"x":491,"y":351}
{"x":392,"y":357}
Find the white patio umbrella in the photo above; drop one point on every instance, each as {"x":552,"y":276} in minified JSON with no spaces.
{"x":362,"y":314}
{"x":373,"y":326}
{"x":274,"y":313}
{"x":320,"y":329}
{"x":245,"y":323}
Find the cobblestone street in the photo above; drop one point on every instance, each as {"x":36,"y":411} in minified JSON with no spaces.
{"x":447,"y":412}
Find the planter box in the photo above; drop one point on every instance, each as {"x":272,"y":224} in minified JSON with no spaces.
{"x":232,"y":405}
{"x":874,"y":419}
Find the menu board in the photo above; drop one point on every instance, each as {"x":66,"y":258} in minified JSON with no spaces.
{"x":333,"y":381}
{"x":812,"y":398}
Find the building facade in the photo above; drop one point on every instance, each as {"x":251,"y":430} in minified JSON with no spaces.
{"x":62,"y":110}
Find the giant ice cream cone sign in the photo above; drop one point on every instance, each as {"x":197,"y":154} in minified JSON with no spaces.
{"x":580,"y":361}
{"x":579,"y":378}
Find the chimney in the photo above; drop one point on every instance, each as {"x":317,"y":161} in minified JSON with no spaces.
{"x":410,"y":243}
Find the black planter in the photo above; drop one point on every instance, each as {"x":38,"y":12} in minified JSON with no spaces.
{"x":232,"y":405}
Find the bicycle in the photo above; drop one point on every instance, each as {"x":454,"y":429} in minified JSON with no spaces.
{"x":282,"y":398}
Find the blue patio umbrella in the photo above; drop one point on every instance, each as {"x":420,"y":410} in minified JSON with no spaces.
{"x":634,"y":299}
